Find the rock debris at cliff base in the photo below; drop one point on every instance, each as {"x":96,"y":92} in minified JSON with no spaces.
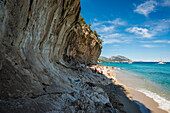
{"x":42,"y":46}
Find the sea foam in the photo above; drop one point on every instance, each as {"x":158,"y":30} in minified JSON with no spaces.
{"x":163,"y":103}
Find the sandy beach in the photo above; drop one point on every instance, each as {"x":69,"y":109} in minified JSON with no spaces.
{"x":127,"y":98}
{"x":148,"y":102}
{"x":136,"y":95}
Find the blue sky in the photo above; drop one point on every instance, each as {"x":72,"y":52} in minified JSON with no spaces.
{"x":137,"y":29}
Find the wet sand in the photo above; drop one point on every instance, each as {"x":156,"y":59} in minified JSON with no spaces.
{"x":148,"y":102}
{"x":136,"y":95}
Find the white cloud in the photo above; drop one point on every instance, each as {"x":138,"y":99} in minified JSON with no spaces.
{"x":166,"y":3}
{"x":112,"y":40}
{"x":140,"y":31}
{"x":96,"y":24}
{"x":95,"y":19}
{"x":157,"y":41}
{"x":107,"y":26}
{"x":153,"y":28}
{"x":146,"y":8}
{"x":160,"y":26}
{"x":107,"y":30}
{"x":115,"y":38}
{"x":149,"y":46}
{"x":157,"y":28}
{"x":117,"y":21}
{"x":145,"y":41}
{"x":104,"y":28}
{"x":114,"y":35}
{"x":109,"y":41}
{"x":161,"y":41}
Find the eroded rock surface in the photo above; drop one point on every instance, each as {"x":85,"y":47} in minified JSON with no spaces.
{"x":42,"y":49}
{"x":42,"y":46}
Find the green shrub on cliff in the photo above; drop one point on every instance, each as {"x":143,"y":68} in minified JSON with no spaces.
{"x":89,"y":28}
{"x":95,"y":33}
{"x":83,"y":23}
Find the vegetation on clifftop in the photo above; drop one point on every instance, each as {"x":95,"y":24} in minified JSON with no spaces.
{"x":83,"y":23}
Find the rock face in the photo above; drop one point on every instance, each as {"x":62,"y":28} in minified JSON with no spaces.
{"x":42,"y":50}
{"x":49,"y":28}
{"x":41,"y":45}
{"x":38,"y":34}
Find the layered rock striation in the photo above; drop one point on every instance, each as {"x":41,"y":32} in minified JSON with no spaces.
{"x":42,"y":47}
{"x":38,"y":34}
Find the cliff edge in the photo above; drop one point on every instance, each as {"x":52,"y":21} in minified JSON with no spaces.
{"x":42,"y":49}
{"x":42,"y":44}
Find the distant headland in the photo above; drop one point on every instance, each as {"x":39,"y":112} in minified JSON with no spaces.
{"x":116,"y":59}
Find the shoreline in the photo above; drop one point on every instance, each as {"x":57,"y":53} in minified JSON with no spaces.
{"x":150,"y":103}
{"x":145,"y":103}
{"x":142,"y":98}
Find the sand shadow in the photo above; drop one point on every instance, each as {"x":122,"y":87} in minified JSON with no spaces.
{"x":119,"y":99}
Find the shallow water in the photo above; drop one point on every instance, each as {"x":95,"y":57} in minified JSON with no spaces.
{"x":149,"y":78}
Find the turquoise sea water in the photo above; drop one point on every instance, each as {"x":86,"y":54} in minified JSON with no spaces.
{"x":157,"y":75}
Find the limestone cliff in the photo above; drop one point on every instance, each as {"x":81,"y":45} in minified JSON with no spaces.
{"x":38,"y":40}
{"x":42,"y":45}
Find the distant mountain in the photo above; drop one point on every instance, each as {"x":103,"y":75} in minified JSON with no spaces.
{"x":114,"y":59}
